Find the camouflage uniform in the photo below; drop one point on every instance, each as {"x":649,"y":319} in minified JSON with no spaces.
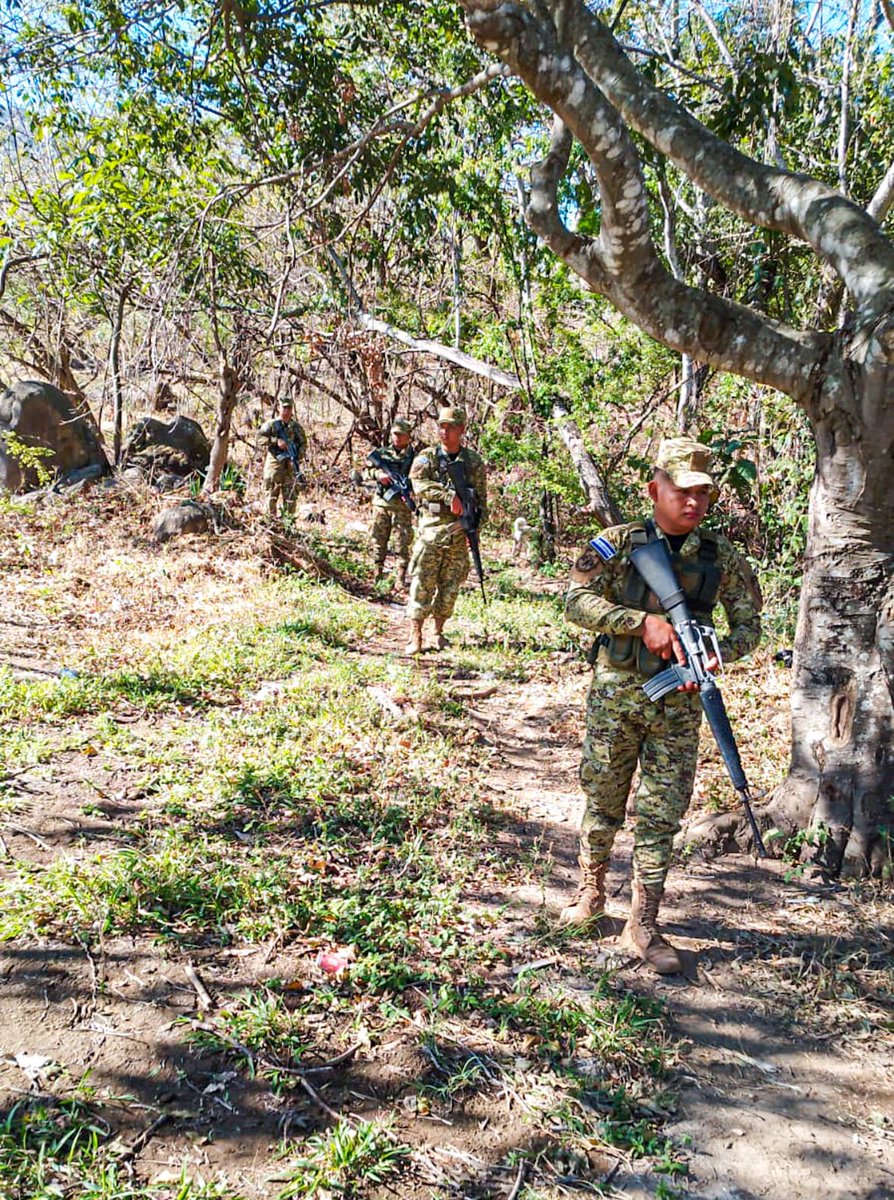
{"x":624,"y":728}
{"x":280,"y":479}
{"x":391,"y":515}
{"x":440,"y":559}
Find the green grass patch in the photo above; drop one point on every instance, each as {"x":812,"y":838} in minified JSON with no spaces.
{"x":64,"y":1148}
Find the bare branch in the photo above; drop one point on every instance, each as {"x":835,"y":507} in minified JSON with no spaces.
{"x":622,"y":263}
{"x":838,"y":230}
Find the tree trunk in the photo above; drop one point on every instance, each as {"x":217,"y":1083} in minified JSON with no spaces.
{"x":227,"y":398}
{"x":598,"y":499}
{"x":115,"y":371}
{"x":841,"y":779}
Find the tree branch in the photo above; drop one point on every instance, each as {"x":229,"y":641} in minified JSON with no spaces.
{"x":838,"y":230}
{"x":622,"y":263}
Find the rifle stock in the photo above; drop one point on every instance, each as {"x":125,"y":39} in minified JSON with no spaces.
{"x":653,"y":563}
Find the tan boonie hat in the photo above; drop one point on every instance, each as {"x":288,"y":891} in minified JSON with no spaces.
{"x":401,"y":426}
{"x":452,"y":416}
{"x":686,"y":461}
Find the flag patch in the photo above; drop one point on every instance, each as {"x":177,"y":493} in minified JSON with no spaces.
{"x":603,"y":548}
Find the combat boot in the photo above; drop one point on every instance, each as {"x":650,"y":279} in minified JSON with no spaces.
{"x":642,"y":936}
{"x":414,"y":645}
{"x":590,"y":899}
{"x":440,"y":637}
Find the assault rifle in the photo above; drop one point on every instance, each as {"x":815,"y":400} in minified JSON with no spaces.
{"x":699,"y":644}
{"x":290,"y":454}
{"x":400,"y":483}
{"x":471,"y":518}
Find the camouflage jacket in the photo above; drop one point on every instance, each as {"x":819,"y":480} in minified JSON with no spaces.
{"x":400,"y":460}
{"x":434,"y":492}
{"x":290,"y":431}
{"x":599,"y":581}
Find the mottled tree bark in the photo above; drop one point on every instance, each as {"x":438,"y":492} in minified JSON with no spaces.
{"x":228,"y":384}
{"x":841,"y":780}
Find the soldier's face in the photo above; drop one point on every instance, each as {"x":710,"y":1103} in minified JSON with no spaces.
{"x":400,"y":441}
{"x":678,"y":510}
{"x":285,"y":412}
{"x":451,"y":437}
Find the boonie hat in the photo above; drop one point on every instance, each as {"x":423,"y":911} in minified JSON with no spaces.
{"x":400,"y":426}
{"x":452,"y":416}
{"x":686,"y":461}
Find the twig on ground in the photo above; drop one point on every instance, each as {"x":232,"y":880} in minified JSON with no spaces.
{"x":20,"y":829}
{"x":201,"y":991}
{"x":519,"y":1180}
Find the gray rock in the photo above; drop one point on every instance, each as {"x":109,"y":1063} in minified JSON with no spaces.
{"x":177,"y":447}
{"x":40,"y":415}
{"x":188,"y":517}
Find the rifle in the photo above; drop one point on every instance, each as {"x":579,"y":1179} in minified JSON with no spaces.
{"x":471,"y":518}
{"x":699,"y":644}
{"x":400,"y":483}
{"x":290,"y":454}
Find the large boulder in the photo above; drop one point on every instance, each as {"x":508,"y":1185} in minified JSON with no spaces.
{"x":39,"y":415}
{"x":188,"y":517}
{"x":177,"y":447}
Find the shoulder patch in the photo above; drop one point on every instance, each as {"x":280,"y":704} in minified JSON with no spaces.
{"x":422,"y":459}
{"x":603,"y":547}
{"x":586,"y":567}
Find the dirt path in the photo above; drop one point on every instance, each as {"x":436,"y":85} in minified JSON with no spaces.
{"x":769,"y":1107}
{"x":783,"y":1079}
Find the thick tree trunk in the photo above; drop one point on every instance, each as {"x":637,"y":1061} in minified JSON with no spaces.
{"x":841,"y":779}
{"x":227,"y":398}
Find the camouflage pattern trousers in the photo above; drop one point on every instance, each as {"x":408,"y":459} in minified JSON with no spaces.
{"x":625,"y":728}
{"x":437,"y":572}
{"x":399,"y":519}
{"x":280,"y":484}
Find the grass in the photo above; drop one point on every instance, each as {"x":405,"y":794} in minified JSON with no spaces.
{"x":282,"y":807}
{"x":53,"y":1148}
{"x":344,"y":1160}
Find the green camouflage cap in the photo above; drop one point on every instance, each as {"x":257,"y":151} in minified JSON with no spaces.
{"x":452,"y":416}
{"x":686,"y":461}
{"x":401,"y":426}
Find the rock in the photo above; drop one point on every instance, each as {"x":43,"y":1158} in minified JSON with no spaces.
{"x":188,"y":517}
{"x":42,"y":416}
{"x":177,"y":447}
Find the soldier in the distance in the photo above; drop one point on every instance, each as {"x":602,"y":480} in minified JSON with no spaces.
{"x":286,"y":446}
{"x":624,"y":728}
{"x":390,"y":512}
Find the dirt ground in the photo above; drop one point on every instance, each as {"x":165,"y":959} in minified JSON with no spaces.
{"x":784,"y":1072}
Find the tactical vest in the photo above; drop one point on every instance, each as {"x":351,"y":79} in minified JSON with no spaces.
{"x":401,"y":461}
{"x":699,"y":579}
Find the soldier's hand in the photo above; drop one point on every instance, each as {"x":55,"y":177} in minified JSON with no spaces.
{"x":456,"y":506}
{"x":660,"y":638}
{"x":281,"y":443}
{"x":384,"y":480}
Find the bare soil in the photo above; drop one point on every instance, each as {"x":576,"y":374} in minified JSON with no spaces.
{"x":784,"y":1068}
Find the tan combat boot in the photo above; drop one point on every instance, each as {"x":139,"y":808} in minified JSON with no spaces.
{"x":440,"y":637}
{"x":642,"y":936}
{"x":590,"y":899}
{"x":414,"y":645}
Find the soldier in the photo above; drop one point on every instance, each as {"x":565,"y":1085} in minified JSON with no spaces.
{"x":286,"y":444}
{"x":440,"y":560}
{"x":624,"y":728}
{"x":392,"y":514}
